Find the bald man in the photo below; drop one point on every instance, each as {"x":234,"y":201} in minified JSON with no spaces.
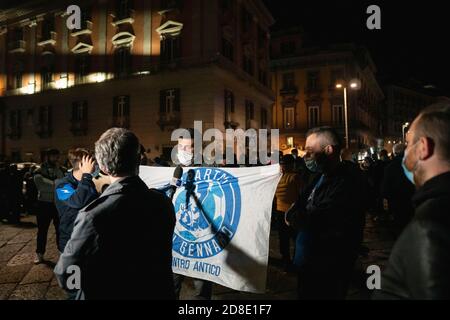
{"x":420,"y":262}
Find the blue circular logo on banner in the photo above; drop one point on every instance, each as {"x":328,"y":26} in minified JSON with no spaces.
{"x":208,"y":220}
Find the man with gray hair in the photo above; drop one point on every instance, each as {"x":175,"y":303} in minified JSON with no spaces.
{"x":122,"y":241}
{"x":397,"y":191}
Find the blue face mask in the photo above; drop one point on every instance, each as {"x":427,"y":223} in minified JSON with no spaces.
{"x":408,"y":174}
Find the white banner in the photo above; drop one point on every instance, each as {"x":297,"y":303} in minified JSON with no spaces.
{"x":222,"y":232}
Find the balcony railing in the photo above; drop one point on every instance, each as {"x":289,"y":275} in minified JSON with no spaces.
{"x":16,"y":46}
{"x":48,"y":38}
{"x":169,"y":120}
{"x":86,"y":28}
{"x":169,"y":5}
{"x":123,"y":16}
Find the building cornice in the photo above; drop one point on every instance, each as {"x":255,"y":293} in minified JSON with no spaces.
{"x":25,"y":13}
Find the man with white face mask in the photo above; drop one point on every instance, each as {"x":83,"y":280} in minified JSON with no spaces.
{"x":185,"y":152}
{"x":185,"y":158}
{"x":419,"y":263}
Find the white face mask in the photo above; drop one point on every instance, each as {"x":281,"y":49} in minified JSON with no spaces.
{"x":185,"y":158}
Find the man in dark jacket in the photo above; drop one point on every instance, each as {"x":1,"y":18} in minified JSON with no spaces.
{"x":45,"y":178}
{"x":73,"y":192}
{"x":122,"y":241}
{"x":420,"y":262}
{"x":330,"y":216}
{"x":398,"y":191}
{"x":184,"y":156}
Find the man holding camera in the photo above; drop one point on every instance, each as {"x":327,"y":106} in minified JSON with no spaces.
{"x":74,"y":192}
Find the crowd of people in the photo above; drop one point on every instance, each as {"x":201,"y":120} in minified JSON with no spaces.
{"x":319,"y":212}
{"x":386,"y":192}
{"x":410,"y":190}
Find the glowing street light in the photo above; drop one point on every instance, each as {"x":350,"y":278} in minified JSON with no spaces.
{"x":404,"y":126}
{"x":354,"y":84}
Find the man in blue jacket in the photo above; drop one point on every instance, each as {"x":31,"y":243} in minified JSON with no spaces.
{"x":73,"y":192}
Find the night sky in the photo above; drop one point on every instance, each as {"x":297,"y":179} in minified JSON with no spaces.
{"x":413,"y":41}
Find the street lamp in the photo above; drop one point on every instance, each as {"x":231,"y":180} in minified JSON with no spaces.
{"x":404,"y":126}
{"x":354,"y":84}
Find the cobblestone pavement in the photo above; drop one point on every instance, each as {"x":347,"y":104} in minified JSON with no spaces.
{"x":20,"y":279}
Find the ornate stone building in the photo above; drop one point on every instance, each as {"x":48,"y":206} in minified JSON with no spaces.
{"x":304,"y":81}
{"x":148,"y":65}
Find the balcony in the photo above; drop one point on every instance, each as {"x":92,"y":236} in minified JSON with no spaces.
{"x":122,"y":17}
{"x":49,"y":38}
{"x":289,"y":91}
{"x":16,"y":46}
{"x":169,"y":5}
{"x":86,"y":28}
{"x":169,"y":120}
{"x":79,"y":127}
